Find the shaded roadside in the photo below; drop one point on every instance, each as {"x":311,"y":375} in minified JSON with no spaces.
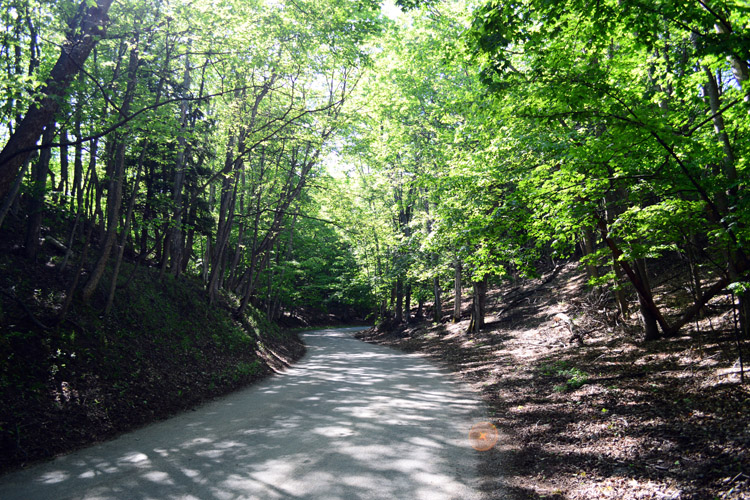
{"x":612,"y":418}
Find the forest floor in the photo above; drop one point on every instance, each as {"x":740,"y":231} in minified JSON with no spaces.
{"x":162,"y":350}
{"x":609,"y":417}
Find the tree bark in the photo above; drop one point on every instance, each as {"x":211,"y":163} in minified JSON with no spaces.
{"x":36,"y":210}
{"x":114,"y":195}
{"x":587,"y":239}
{"x":179,"y":176}
{"x":650,"y":327}
{"x":644,"y":295}
{"x":76,"y":192}
{"x":457,"y":268}
{"x":478,"y":303}
{"x":407,"y":303}
{"x":399,"y":308}
{"x":724,"y":200}
{"x":226,"y":209}
{"x":437,"y":310}
{"x":11,"y":196}
{"x":125,"y":230}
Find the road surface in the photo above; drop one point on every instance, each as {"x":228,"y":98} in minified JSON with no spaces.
{"x":349,"y":421}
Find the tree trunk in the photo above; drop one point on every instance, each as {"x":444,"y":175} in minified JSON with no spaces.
{"x":226,"y":215}
{"x":288,"y":257}
{"x":76,"y":192}
{"x":114,"y":195}
{"x":125,"y":231}
{"x":13,"y":193}
{"x":457,"y":267}
{"x":179,"y":175}
{"x":650,"y":326}
{"x":437,"y":313}
{"x":63,"y":188}
{"x":187,"y":249}
{"x":291,"y":193}
{"x":36,"y":210}
{"x":73,"y":55}
{"x":478,"y":303}
{"x":644,"y":294}
{"x":695,"y":277}
{"x":407,"y":303}
{"x":587,"y":239}
{"x":724,"y":201}
{"x":399,"y":309}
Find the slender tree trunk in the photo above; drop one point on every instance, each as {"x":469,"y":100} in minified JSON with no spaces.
{"x":179,"y":176}
{"x":611,"y":211}
{"x":587,"y":240}
{"x":644,"y":295}
{"x":76,"y":277}
{"x":64,"y":187}
{"x":93,"y":203}
{"x":36,"y":210}
{"x":724,"y":200}
{"x":288,"y":257}
{"x":739,"y":65}
{"x":147,"y":209}
{"x":13,"y":193}
{"x":234,"y":279}
{"x":114,"y":196}
{"x":226,"y":209}
{"x":76,"y":197}
{"x":695,"y":276}
{"x":206,"y":260}
{"x":407,"y":303}
{"x":125,"y":231}
{"x":437,"y":313}
{"x":457,"y":268}
{"x":187,"y":250}
{"x":80,"y":214}
{"x":478,"y":303}
{"x":399,"y":308}
{"x":650,"y":326}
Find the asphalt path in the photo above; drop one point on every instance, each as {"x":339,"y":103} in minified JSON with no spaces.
{"x":349,"y":421}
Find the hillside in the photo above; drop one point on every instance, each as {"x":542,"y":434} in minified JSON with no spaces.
{"x":603,"y":415}
{"x":161,"y":350}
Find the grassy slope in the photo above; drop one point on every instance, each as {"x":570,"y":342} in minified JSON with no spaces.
{"x":612,"y":418}
{"x":162,"y":350}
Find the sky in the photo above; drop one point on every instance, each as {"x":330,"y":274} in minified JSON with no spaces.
{"x":389,"y":9}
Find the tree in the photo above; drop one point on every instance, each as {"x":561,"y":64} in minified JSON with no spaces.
{"x":556,"y":69}
{"x":86,"y":28}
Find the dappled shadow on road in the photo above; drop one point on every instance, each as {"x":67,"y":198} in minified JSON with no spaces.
{"x":366,"y":424}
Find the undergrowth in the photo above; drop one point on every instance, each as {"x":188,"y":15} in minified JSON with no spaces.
{"x":162,"y":349}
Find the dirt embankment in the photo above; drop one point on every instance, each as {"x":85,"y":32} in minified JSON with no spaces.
{"x":163,"y":349}
{"x":603,"y":416}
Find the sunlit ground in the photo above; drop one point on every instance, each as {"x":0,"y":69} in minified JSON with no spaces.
{"x":350,"y":421}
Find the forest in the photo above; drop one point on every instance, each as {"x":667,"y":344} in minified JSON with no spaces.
{"x":289,"y":163}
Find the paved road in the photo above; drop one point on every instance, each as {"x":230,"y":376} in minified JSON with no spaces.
{"x":349,"y":421}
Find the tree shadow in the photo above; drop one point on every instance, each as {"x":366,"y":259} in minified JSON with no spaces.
{"x":350,"y":421}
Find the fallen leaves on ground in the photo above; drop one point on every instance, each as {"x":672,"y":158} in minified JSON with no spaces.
{"x":612,"y":418}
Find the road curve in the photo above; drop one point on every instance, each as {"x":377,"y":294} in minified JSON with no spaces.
{"x":349,"y":421}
